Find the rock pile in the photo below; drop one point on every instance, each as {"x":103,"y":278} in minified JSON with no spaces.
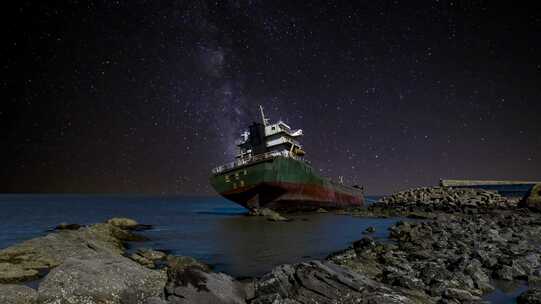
{"x":444,"y":199}
{"x":452,"y":259}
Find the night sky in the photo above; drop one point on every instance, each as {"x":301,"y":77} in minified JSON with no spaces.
{"x":148,"y":96}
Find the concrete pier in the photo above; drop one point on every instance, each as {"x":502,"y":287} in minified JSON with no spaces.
{"x":509,"y":188}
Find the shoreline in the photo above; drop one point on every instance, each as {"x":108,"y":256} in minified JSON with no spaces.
{"x":449,"y":255}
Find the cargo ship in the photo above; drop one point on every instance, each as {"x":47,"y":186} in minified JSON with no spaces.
{"x":270,"y":171}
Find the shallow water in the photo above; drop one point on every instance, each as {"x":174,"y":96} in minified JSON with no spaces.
{"x":212,"y":230}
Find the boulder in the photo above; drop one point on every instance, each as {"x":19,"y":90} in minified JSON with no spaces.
{"x":122,"y":222}
{"x":190,"y":281}
{"x":370,"y":229}
{"x":101,"y":279}
{"x":17,"y":294}
{"x":31,"y":259}
{"x":533,"y":199}
{"x":175,"y":264}
{"x":195,"y":286}
{"x":66,"y":226}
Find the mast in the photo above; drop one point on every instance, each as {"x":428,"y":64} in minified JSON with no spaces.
{"x":265,"y":120}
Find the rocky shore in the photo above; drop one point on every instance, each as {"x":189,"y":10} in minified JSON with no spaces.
{"x":469,"y":240}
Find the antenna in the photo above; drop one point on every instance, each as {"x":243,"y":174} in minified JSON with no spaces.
{"x":265,"y":120}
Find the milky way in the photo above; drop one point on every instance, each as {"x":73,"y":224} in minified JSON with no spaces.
{"x":148,"y":96}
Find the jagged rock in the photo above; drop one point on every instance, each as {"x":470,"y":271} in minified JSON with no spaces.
{"x":533,"y":199}
{"x":106,"y":278}
{"x":324,"y":282}
{"x":532,"y":296}
{"x":17,"y":294}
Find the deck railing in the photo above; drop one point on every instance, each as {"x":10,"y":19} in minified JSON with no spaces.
{"x":252,"y":159}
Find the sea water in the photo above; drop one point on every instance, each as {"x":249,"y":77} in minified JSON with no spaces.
{"x":210,"y":229}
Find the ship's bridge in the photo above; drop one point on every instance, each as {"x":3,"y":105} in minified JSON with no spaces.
{"x":264,"y":140}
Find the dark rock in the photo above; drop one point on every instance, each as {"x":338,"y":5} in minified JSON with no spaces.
{"x":66,"y":226}
{"x":418,"y":203}
{"x":363,"y":245}
{"x":532,"y":296}
{"x":370,"y":229}
{"x":324,"y":282}
{"x":533,"y":199}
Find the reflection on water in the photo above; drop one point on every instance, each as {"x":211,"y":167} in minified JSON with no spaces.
{"x":506,"y":292}
{"x":210,"y":229}
{"x":254,"y":245}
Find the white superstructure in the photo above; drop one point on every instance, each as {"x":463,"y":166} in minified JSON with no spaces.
{"x":265,"y":140}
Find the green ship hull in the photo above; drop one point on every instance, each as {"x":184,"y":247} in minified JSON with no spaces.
{"x":283,"y":183}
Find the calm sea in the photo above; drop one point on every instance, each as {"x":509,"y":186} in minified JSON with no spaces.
{"x":210,"y":229}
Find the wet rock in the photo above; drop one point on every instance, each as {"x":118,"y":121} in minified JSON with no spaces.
{"x":66,"y":226}
{"x":532,"y":296}
{"x":533,"y":199}
{"x":370,"y":229}
{"x":17,"y":294}
{"x":100,"y":279}
{"x":321,"y":210}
